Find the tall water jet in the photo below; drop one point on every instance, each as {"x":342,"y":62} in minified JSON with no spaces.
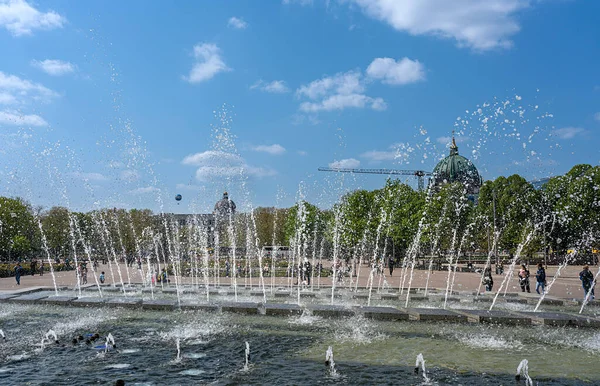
{"x":568,"y":258}
{"x":436,"y":240}
{"x":488,"y":260}
{"x":375,"y":250}
{"x":512,"y":264}
{"x":47,"y":250}
{"x":462,"y":242}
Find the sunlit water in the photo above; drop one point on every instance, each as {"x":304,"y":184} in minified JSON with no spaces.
{"x":284,"y":350}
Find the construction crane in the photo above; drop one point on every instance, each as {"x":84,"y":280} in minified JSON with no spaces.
{"x":420,"y":174}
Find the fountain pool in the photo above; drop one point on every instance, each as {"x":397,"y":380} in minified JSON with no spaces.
{"x":285,"y":350}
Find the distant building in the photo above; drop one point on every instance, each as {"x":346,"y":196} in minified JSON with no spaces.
{"x":224,"y":210}
{"x":454,"y":168}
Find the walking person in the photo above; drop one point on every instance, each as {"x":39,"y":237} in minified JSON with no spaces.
{"x":33,"y":265}
{"x":18,"y":271}
{"x":488,"y":280}
{"x":540,"y":277}
{"x":587,"y":279}
{"x":391,"y":265}
{"x":524,"y":279}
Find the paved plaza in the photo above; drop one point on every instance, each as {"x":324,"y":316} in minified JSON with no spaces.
{"x":566,"y":286}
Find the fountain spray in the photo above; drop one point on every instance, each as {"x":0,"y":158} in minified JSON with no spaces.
{"x":329,"y":361}
{"x":523,"y":370}
{"x":512,"y":265}
{"x":421,"y":361}
{"x":109,"y":340}
{"x":247,"y":356}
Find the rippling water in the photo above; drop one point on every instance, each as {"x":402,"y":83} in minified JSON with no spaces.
{"x":284,"y":351}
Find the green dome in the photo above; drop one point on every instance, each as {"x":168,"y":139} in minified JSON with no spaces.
{"x":455,"y":167}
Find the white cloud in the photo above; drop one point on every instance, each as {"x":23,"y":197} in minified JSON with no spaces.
{"x":144,"y":190}
{"x":7,"y":99}
{"x":212,"y":156}
{"x":54,"y":67}
{"x":398,"y":152}
{"x":275,"y":87}
{"x":20,"y":18}
{"x":302,"y":152}
{"x":481,"y":25}
{"x":389,"y":71}
{"x":14,"y":118}
{"x":340,"y":102}
{"x":348,"y":163}
{"x":129,"y":175}
{"x":236,"y":23}
{"x":215,"y":164}
{"x":343,"y":90}
{"x":21,"y":90}
{"x":274,"y":149}
{"x":208,"y":63}
{"x":597,"y":116}
{"x":96,"y":177}
{"x":207,"y":173}
{"x":341,"y":83}
{"x":568,"y":132}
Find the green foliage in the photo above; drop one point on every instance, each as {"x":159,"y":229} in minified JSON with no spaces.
{"x":447,"y":215}
{"x":301,"y":221}
{"x":516,"y":202}
{"x":55,"y":223}
{"x":18,"y":228}
{"x":575,"y":202}
{"x":564,"y":214}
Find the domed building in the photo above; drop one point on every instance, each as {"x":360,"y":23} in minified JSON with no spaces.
{"x":224,"y":207}
{"x":454,"y":168}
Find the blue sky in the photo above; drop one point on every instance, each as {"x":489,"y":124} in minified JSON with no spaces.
{"x":126,"y":104}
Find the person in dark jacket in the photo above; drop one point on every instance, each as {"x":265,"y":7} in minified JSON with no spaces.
{"x":487,"y":279}
{"x":540,"y":276}
{"x":18,"y":272}
{"x":587,"y":279}
{"x":524,"y":278}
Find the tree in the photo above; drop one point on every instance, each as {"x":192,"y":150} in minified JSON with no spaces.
{"x":405,"y":207}
{"x":447,"y":215}
{"x":18,"y":230}
{"x":516,"y":202}
{"x":55,"y":224}
{"x":270,"y":225}
{"x":575,"y":202}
